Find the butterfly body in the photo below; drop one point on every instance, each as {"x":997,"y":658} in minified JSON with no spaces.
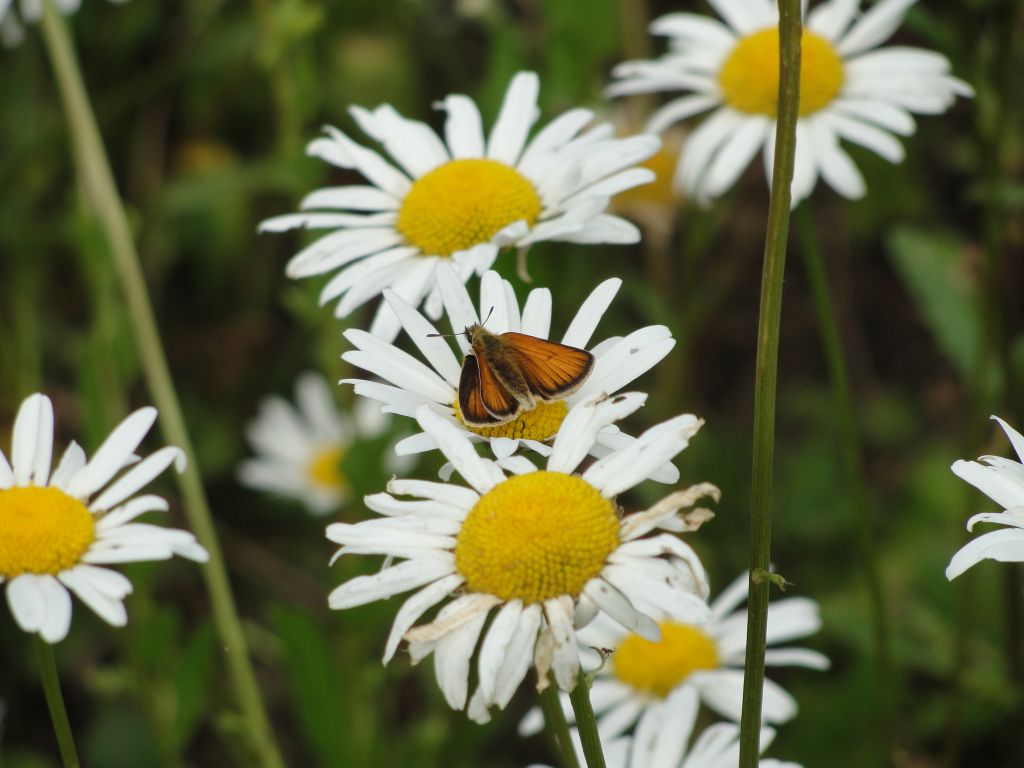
{"x":508,"y":373}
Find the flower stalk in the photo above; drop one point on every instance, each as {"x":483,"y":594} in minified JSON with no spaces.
{"x":55,"y":701}
{"x":556,"y":725}
{"x":766,"y":375}
{"x":96,"y":179}
{"x":586,"y":723}
{"x":852,"y":451}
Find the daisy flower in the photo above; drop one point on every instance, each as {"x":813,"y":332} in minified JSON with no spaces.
{"x":459,"y":200}
{"x":411,"y":383}
{"x":1002,"y":480}
{"x":12,"y":31}
{"x":653,"y":684}
{"x":531,"y":554}
{"x":59,"y":528}
{"x":850,"y":89}
{"x":300,"y":447}
{"x":718,"y":745}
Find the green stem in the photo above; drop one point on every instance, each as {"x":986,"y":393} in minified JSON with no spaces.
{"x":557,"y":727}
{"x":765,"y":382}
{"x":98,"y":184}
{"x":850,"y":445}
{"x":586,"y":723}
{"x":55,"y":701}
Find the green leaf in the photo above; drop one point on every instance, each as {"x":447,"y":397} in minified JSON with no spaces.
{"x":935,"y":269}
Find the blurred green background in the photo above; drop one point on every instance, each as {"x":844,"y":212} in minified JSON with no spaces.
{"x":206,"y":106}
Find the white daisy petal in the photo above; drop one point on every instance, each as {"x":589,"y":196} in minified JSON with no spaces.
{"x":424,"y":336}
{"x":70,"y":464}
{"x":831,"y":18}
{"x":27,"y":601}
{"x":495,"y":645}
{"x":415,"y":607}
{"x":452,"y":657}
{"x":518,"y":114}
{"x":536,"y":317}
{"x":583,"y":325}
{"x":391,"y":581}
{"x":622,"y":470}
{"x":463,"y":129}
{"x":140,"y":475}
{"x":581,"y":426}
{"x":518,"y":655}
{"x":92,"y":591}
{"x":113,"y":454}
{"x":57,"y":619}
{"x":876,"y":26}
{"x":31,"y":419}
{"x":1006,"y":546}
{"x":478,"y":472}
{"x":566,"y":660}
{"x":616,"y":605}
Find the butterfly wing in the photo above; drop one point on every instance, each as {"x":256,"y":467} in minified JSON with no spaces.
{"x":551,"y":370}
{"x":483,"y":401}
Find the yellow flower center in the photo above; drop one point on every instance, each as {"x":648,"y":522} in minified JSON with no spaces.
{"x":42,"y":530}
{"x":541,"y":423}
{"x":750,"y":76}
{"x":464,"y":203}
{"x":657,"y":668}
{"x":661,"y":191}
{"x":536,"y":536}
{"x":325,"y":469}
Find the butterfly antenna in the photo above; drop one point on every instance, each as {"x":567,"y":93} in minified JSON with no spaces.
{"x":489,"y":313}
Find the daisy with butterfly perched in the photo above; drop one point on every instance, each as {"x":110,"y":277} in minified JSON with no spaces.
{"x":514,"y":385}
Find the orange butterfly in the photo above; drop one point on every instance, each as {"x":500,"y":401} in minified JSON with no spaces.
{"x":508,"y":373}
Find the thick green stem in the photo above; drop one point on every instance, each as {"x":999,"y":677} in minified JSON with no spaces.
{"x":586,"y":723}
{"x":557,"y":727}
{"x":55,"y":701}
{"x":765,"y":382}
{"x":850,"y":445}
{"x":100,"y":190}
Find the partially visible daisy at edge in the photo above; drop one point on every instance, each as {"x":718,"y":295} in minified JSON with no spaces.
{"x":532,"y":554}
{"x":59,"y":528}
{"x":460,"y":200}
{"x":12,"y":30}
{"x":849,"y":90}
{"x":300,"y":447}
{"x":652,"y":684}
{"x":717,"y":746}
{"x":411,"y":383}
{"x":1002,"y":480}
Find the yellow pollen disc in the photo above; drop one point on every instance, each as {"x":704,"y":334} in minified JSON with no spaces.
{"x":536,"y":536}
{"x":325,"y":469}
{"x":464,"y":203}
{"x":541,"y":423}
{"x":661,"y":191}
{"x":750,"y":76}
{"x":42,"y":530}
{"x":657,"y":668}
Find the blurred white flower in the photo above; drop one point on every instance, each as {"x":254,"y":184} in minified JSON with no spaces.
{"x":1002,"y":480}
{"x":300,"y":447}
{"x":58,"y":528}
{"x":849,"y":90}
